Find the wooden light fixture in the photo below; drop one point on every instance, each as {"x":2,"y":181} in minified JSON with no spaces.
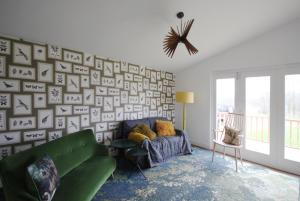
{"x":174,"y":38}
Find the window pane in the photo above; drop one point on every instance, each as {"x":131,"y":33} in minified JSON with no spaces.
{"x":292,"y":117}
{"x":225,"y":93}
{"x":258,"y":114}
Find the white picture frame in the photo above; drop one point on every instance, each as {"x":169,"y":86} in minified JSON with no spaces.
{"x":19,"y":123}
{"x":5,"y":46}
{"x":101,"y":91}
{"x":54,"y":52}
{"x":9,"y":85}
{"x":60,"y":122}
{"x":39,"y":52}
{"x":85,"y":120}
{"x":71,"y":98}
{"x":73,"y":83}
{"x":21,"y":72}
{"x":72,"y":56}
{"x":73,"y":124}
{"x":64,"y":67}
{"x":108,"y":68}
{"x":2,"y":120}
{"x":45,"y":72}
{"x":85,"y":81}
{"x":99,"y":64}
{"x":62,"y":110}
{"x":88,"y":59}
{"x":108,"y":104}
{"x":100,"y":127}
{"x":133,"y":69}
{"x":119,"y":114}
{"x":34,"y":87}
{"x":2,"y":66}
{"x":45,"y":118}
{"x":95,"y":77}
{"x":99,"y":101}
{"x":21,"y":53}
{"x":95,"y":114}
{"x":5,"y":100}
{"x":53,"y":135}
{"x":99,"y":137}
{"x":60,"y":79}
{"x":22,"y":105}
{"x":54,"y":95}
{"x":78,"y":69}
{"x":39,"y":100}
{"x":34,"y":135}
{"x":119,"y":81}
{"x":88,"y":96}
{"x":124,"y":66}
{"x":117,"y":67}
{"x":10,"y":138}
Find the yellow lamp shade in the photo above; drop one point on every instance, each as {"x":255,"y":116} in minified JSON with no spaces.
{"x":184,"y":97}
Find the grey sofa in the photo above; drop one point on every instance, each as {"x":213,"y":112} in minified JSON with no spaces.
{"x":161,"y":148}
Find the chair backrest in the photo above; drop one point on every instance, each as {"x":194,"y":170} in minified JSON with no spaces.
{"x":232,"y":120}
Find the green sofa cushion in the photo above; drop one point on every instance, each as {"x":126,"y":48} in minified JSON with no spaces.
{"x":83,"y":182}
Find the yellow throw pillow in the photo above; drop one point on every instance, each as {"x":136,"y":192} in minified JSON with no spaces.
{"x":137,"y":137}
{"x":145,"y":130}
{"x":165,"y":128}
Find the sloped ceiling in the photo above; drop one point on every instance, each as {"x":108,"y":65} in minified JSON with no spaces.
{"x":133,"y":30}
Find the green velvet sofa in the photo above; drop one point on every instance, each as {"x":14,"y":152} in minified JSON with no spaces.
{"x":82,"y":164}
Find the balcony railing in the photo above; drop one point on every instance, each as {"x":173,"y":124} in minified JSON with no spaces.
{"x":258,"y":129}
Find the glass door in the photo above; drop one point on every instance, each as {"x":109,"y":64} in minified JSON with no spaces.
{"x":270,"y":101}
{"x":292,"y":118}
{"x":257,"y":114}
{"x":225,"y":99}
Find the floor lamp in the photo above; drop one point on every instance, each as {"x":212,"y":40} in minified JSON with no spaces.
{"x":184,"y":97}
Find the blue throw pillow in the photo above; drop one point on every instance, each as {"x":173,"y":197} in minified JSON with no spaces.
{"x":45,"y":177}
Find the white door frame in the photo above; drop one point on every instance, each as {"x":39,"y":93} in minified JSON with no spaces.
{"x":277,"y":111}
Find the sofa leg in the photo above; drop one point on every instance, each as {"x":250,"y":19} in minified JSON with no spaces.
{"x":112,"y":175}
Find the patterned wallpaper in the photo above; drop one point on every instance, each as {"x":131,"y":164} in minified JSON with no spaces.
{"x":47,"y":92}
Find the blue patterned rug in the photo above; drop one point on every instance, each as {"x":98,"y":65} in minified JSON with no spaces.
{"x":194,"y":177}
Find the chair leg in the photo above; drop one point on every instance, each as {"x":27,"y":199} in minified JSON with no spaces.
{"x":224,"y":150}
{"x":236,"y":165}
{"x":241,"y":156}
{"x":212,"y":160}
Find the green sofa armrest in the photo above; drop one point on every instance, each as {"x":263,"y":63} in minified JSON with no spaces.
{"x":17,"y":194}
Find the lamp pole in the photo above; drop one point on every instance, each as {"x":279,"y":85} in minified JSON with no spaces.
{"x":184,"y":116}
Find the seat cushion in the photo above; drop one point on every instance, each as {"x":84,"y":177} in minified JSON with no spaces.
{"x":83,"y":182}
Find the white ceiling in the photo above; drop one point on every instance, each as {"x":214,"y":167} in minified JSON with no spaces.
{"x":133,"y":30}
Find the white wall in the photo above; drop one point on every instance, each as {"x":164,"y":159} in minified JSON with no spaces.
{"x":280,"y":46}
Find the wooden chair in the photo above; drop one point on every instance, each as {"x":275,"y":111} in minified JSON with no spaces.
{"x":234,"y":121}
